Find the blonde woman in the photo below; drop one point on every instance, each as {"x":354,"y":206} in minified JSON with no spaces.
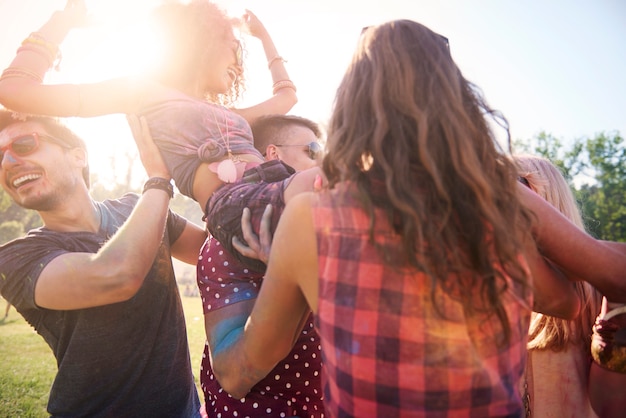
{"x":557,"y":372}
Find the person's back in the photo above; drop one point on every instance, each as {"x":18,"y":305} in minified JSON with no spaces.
{"x":387,"y":350}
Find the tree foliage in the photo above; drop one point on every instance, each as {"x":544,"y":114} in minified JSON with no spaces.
{"x":596,"y":170}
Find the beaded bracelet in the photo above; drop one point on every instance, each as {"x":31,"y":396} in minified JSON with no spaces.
{"x":36,"y":38}
{"x":159,"y":183}
{"x":21,"y":72}
{"x":273,"y":60}
{"x":283,"y":84}
{"x":39,"y":50}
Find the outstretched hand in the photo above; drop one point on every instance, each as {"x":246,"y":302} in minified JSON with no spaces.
{"x":75,"y":12}
{"x":258,"y":247}
{"x":253,"y":24}
{"x":148,"y":151}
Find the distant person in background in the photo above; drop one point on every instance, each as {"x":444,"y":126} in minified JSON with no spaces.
{"x":555,"y":383}
{"x":229,"y":291}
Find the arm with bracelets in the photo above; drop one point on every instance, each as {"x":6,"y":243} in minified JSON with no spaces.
{"x":283,"y":89}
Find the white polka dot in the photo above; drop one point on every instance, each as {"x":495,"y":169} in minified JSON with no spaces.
{"x":277,"y":377}
{"x":286,"y":366}
{"x":288,"y":385}
{"x":304,"y":347}
{"x":236,"y":290}
{"x":225,"y":263}
{"x":297,"y":374}
{"x":306,"y":383}
{"x":306,"y":364}
{"x":221,"y":253}
{"x":255,"y":405}
{"x":268,"y":410}
{"x":217,"y":296}
{"x":226,"y":300}
{"x":296,"y":356}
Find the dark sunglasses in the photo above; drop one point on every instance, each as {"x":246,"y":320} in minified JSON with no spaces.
{"x":524,"y":181}
{"x":313,"y":148}
{"x":27,"y":144}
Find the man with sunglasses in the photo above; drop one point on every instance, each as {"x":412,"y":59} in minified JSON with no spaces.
{"x":229,"y":289}
{"x":96,"y":281}
{"x":291,"y":139}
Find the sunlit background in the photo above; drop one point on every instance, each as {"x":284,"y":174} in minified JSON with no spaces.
{"x":555,"y":66}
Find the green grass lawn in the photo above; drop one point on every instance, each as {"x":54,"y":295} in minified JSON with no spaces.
{"x":27,"y":365}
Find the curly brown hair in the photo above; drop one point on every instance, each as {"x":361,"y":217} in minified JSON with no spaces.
{"x":190,"y":32}
{"x":407,"y":120}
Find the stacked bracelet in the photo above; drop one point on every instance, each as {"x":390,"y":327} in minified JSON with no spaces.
{"x":283,"y":84}
{"x":22,"y":73}
{"x":273,"y":60}
{"x":46,"y":48}
{"x":161,"y":184}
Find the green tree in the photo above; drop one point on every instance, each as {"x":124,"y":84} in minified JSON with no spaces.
{"x":596,"y":170}
{"x":606,"y":201}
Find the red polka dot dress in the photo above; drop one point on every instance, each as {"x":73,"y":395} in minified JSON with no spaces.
{"x":293,"y":387}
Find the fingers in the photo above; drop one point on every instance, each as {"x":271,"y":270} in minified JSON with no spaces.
{"x":265,"y":229}
{"x":243,"y":249}
{"x":148,"y":151}
{"x":258,"y":247}
{"x":253,"y":248}
{"x":246,"y":227}
{"x":317,"y":183}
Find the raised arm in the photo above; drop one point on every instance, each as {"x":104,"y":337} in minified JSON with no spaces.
{"x":21,"y":84}
{"x":117,"y":271}
{"x":601,"y":263}
{"x":283,"y":90}
{"x":290,"y":284}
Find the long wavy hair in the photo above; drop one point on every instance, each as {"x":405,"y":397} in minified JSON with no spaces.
{"x":547,"y":332}
{"x":190,"y":32}
{"x":406,"y":121}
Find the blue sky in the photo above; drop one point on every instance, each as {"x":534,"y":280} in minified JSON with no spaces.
{"x":556,"y":66}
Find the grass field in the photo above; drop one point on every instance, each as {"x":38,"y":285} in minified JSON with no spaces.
{"x":27,"y":365}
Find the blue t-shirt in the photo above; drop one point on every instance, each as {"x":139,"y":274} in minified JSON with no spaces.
{"x":127,"y":359}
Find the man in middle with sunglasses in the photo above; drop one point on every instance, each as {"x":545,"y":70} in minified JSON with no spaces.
{"x":229,"y":289}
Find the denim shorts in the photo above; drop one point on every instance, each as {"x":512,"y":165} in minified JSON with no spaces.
{"x":260,"y":186}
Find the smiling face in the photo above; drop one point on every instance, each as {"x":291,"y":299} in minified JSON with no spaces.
{"x":39,"y":177}
{"x":222,"y":66}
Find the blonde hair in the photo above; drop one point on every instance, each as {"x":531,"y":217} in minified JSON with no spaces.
{"x":547,"y":332}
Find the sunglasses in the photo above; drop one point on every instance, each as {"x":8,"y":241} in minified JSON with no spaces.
{"x":27,"y":144}
{"x":313,"y":148}
{"x":524,"y":181}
